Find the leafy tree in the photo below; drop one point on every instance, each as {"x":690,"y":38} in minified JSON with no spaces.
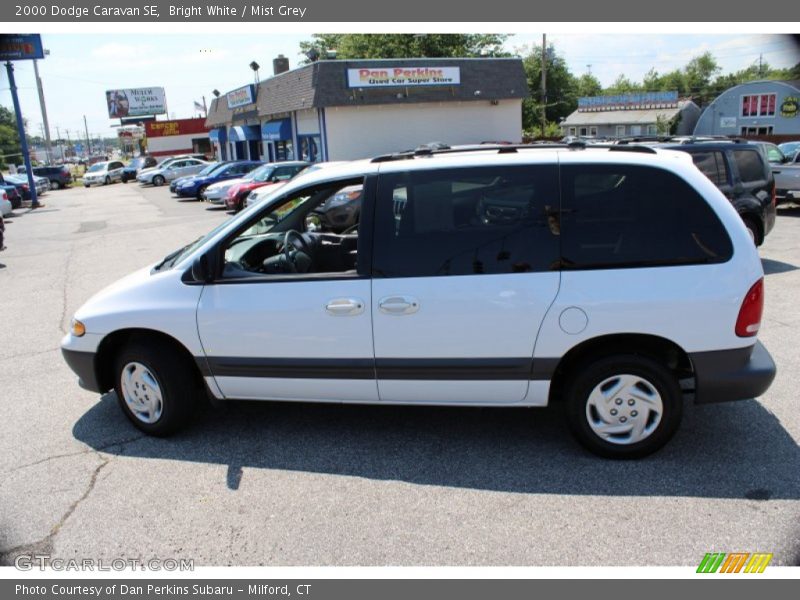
{"x":588,"y":85}
{"x":562,"y":89}
{"x":389,"y":45}
{"x":9,"y":139}
{"x":623,"y":85}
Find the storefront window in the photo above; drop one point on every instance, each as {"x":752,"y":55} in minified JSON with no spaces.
{"x":310,"y":147}
{"x":762,"y":105}
{"x":284,"y":150}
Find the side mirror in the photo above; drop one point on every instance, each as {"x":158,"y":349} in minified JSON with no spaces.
{"x":201,"y":270}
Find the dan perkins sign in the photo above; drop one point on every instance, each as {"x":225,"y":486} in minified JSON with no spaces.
{"x":242,"y":96}
{"x":403,"y":76}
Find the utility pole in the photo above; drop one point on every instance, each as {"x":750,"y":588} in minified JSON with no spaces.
{"x":544,"y":82}
{"x":23,"y":142}
{"x":760,"y":63}
{"x":46,"y":125}
{"x":60,"y":144}
{"x":205,"y":109}
{"x":88,"y":141}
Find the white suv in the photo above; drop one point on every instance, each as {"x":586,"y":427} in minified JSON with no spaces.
{"x":618,"y":280}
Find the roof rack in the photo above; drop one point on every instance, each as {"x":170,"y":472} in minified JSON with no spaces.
{"x":678,"y":139}
{"x":509,"y":149}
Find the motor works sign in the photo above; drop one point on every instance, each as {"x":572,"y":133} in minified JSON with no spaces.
{"x":403,"y":76}
{"x":176,"y":127}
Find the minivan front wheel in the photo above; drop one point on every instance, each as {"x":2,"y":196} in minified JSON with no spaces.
{"x":155,"y":388}
{"x":624,"y":406}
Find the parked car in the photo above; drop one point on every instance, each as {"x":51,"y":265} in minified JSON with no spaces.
{"x":259,"y":195}
{"x":790,"y":149}
{"x":194,"y":187}
{"x":13,"y":193}
{"x":618,"y":281}
{"x":182,"y":167}
{"x":215,"y":193}
{"x":58,"y":176}
{"x":265,"y":175}
{"x":742,"y":173}
{"x":103,"y":173}
{"x":2,"y":234}
{"x":21,"y":183}
{"x":176,"y":183}
{"x":786,"y":171}
{"x":132,"y":168}
{"x":5,"y":205}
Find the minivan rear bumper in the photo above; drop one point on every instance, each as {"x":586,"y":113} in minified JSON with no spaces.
{"x":739,"y":374}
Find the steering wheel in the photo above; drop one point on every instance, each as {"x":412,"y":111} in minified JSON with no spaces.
{"x":288,"y":244}
{"x":351,"y":229}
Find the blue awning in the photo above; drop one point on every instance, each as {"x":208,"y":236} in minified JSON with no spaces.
{"x":219,"y":135}
{"x":242,"y":133}
{"x":276,"y":130}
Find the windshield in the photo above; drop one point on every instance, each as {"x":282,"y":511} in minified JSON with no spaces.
{"x":97,"y":167}
{"x":261,"y":174}
{"x":136,"y":163}
{"x":209,"y":169}
{"x":174,"y":257}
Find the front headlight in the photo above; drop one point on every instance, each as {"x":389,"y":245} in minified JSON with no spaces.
{"x":77,"y":328}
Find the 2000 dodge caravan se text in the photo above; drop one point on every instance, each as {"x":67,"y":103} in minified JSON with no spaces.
{"x":618,"y":280}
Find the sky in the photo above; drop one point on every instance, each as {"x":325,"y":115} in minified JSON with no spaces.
{"x":188,"y":66}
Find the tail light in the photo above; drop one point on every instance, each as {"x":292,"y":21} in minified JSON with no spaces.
{"x":749,"y":320}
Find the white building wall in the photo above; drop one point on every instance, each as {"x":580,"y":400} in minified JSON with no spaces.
{"x":307,"y":121}
{"x":172,"y":143}
{"x":365,"y":131}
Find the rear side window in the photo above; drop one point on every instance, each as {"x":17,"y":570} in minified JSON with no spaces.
{"x":617,"y":216}
{"x":477,"y":221}
{"x":712,"y":165}
{"x":750,"y":165}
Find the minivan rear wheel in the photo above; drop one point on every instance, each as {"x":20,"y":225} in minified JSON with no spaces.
{"x":155,"y":387}
{"x":623,"y":406}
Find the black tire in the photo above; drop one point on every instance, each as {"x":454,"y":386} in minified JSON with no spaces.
{"x":200,"y":191}
{"x":175,"y":377}
{"x":586,"y":377}
{"x":754,"y":230}
{"x":158,"y":180}
{"x":124,"y":180}
{"x":55,"y":185}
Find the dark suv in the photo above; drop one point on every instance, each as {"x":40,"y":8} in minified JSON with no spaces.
{"x":59,"y":176}
{"x":137,"y":164}
{"x":741,"y":172}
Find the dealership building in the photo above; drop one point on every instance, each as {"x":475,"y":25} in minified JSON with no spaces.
{"x":755,"y":108}
{"x":632,"y":114}
{"x":177,"y":136}
{"x":349,"y":109}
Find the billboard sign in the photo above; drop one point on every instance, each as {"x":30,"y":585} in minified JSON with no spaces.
{"x":136,"y":102}
{"x":176,"y":127}
{"x":242,"y":96}
{"x":403,"y":76}
{"x":636,"y":100}
{"x":21,"y":46}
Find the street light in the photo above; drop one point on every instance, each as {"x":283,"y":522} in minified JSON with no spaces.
{"x":216,"y":93}
{"x":255,"y":66}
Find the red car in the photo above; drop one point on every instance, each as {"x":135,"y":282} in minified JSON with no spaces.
{"x":267,"y":174}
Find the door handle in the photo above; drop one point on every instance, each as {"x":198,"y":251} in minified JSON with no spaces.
{"x":398,"y":305}
{"x":343,"y":307}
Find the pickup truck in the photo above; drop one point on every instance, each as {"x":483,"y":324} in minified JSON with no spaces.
{"x":786,"y":170}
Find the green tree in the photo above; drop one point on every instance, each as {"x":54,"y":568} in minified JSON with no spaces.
{"x":588,"y":85}
{"x":562,"y":89}
{"x":388,"y":45}
{"x":9,"y":139}
{"x":623,"y":85}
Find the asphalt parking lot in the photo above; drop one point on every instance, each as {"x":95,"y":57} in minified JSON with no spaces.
{"x":302,"y":484}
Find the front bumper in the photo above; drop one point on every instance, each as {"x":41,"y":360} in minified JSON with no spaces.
{"x":82,"y":364}
{"x":739,"y":374}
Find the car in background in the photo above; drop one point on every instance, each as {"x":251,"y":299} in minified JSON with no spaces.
{"x":137,"y":164}
{"x":163,"y":173}
{"x":103,"y":173}
{"x":227,"y":170}
{"x":742,"y":172}
{"x":58,"y":176}
{"x":215,"y":193}
{"x":338,"y":213}
{"x":5,"y":205}
{"x":21,"y":183}
{"x":260,"y":194}
{"x":175,"y":183}
{"x":786,"y":172}
{"x":790,"y":149}
{"x":265,"y":175}
{"x":11,"y":190}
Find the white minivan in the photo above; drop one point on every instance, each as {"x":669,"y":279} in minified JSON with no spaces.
{"x":618,"y":280}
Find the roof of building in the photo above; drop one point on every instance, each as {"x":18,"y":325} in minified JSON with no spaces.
{"x":324,"y":83}
{"x":624,"y":117}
